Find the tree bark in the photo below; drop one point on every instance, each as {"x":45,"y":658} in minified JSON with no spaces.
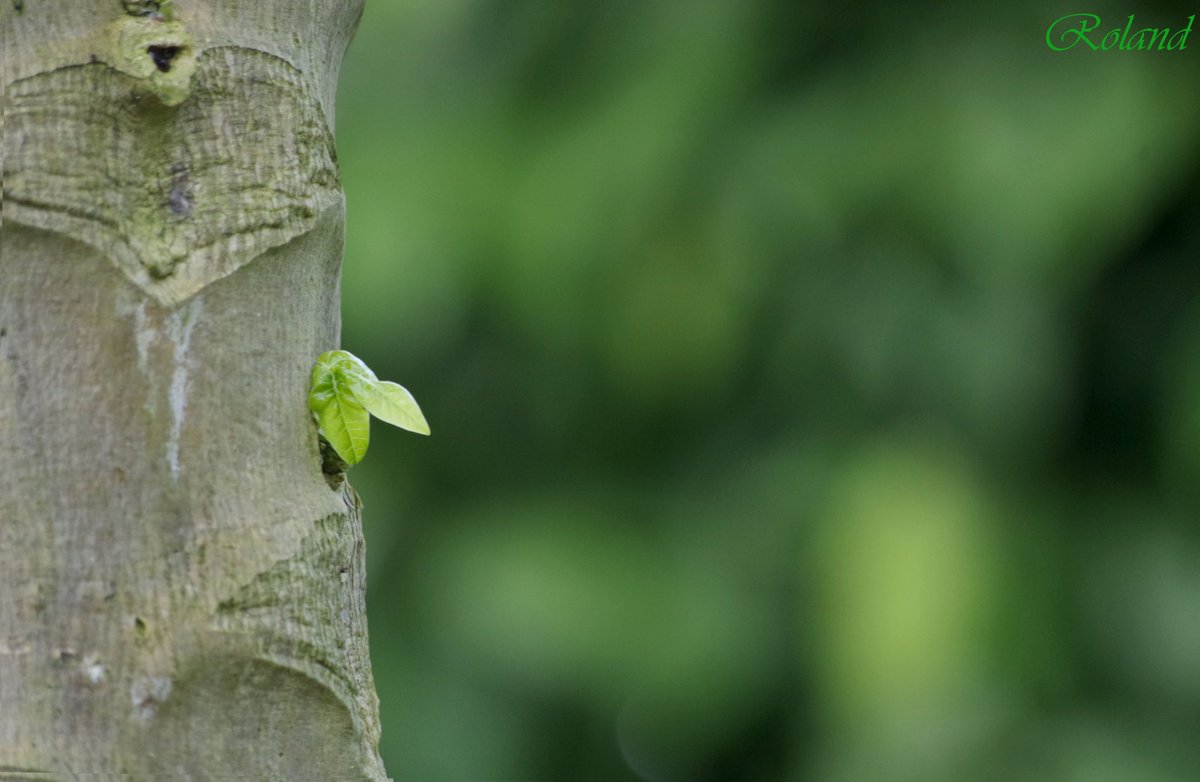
{"x":181,"y":590}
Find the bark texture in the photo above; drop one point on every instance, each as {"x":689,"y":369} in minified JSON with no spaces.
{"x":181,"y":591}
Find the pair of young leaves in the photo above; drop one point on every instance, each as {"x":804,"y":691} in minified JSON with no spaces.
{"x":345,"y":394}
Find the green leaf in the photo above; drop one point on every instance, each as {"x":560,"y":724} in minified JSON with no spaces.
{"x":340,"y":415}
{"x":392,"y":403}
{"x":343,"y":396}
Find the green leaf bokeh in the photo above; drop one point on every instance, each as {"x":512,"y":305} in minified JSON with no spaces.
{"x":817,"y":391}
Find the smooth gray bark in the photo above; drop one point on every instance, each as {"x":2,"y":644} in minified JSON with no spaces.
{"x":181,"y":590}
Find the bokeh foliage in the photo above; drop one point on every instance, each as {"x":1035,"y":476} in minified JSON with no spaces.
{"x":815,"y":390}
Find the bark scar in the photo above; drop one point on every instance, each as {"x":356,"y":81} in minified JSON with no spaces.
{"x":177,"y":197}
{"x":158,"y":53}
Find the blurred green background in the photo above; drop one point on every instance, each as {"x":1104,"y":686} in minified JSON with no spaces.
{"x":815,"y":390}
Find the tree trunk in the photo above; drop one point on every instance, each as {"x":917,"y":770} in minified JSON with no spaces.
{"x":181,"y":590}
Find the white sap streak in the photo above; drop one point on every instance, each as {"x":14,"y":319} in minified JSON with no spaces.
{"x":179,"y":331}
{"x":144,"y":334}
